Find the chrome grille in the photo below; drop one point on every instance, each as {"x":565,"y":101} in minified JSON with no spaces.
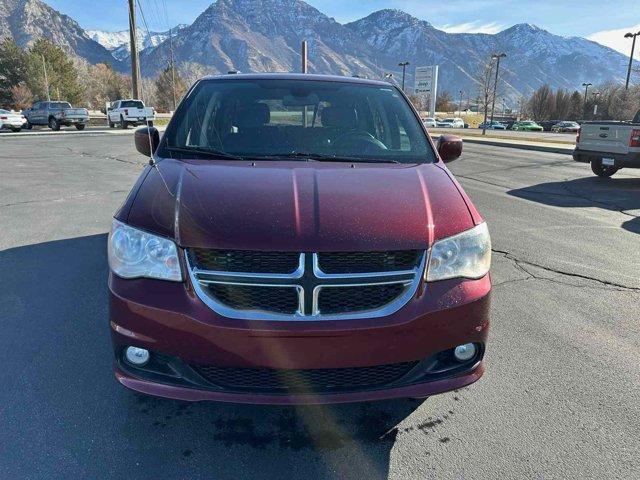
{"x":305,"y":286}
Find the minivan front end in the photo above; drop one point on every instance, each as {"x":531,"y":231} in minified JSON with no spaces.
{"x":263,"y":279}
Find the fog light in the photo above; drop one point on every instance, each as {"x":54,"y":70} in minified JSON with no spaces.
{"x":137,"y":356}
{"x":465,"y":352}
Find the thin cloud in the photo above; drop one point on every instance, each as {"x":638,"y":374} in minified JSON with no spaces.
{"x":615,"y":39}
{"x":472,"y":27}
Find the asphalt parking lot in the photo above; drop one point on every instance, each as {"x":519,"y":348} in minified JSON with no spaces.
{"x":560,"y":399}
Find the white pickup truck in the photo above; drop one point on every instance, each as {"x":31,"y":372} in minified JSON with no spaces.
{"x":609,"y":146}
{"x":130,"y":112}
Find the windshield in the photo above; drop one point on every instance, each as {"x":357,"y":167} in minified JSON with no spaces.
{"x":132,"y":104}
{"x":297,"y":118}
{"x":60,"y":105}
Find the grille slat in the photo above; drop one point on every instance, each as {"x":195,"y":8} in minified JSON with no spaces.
{"x":332,"y":300}
{"x":303,"y":381}
{"x":368,"y":262}
{"x":250,"y":297}
{"x":246,"y":261}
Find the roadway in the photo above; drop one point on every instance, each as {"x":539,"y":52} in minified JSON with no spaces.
{"x":560,"y":399}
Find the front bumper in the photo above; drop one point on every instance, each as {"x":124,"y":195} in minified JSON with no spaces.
{"x":169,"y":318}
{"x":629,"y":160}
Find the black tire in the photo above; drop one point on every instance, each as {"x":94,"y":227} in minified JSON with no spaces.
{"x":54,"y":124}
{"x":16,"y":129}
{"x":123,"y":125}
{"x":80,"y":126}
{"x":29,"y":126}
{"x":603,"y":171}
{"x":111,"y":124}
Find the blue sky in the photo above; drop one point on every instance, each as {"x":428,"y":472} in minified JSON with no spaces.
{"x":597,"y":19}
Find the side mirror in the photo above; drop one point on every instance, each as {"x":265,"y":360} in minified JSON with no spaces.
{"x":449,"y":147}
{"x":147,"y":140}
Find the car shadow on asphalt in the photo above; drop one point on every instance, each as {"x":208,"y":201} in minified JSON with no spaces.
{"x":58,"y":385}
{"x":615,"y":194}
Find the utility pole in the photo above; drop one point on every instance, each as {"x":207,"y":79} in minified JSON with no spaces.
{"x":46,"y":78}
{"x":304,"y":55}
{"x":135,"y":62}
{"x":404,"y":66}
{"x":496,"y":56}
{"x":633,"y":46}
{"x":460,"y":103}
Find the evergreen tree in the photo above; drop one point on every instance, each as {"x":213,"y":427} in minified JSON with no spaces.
{"x":13,"y":69}
{"x":61,"y":74}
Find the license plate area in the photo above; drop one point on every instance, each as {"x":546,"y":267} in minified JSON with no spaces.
{"x":608,"y":161}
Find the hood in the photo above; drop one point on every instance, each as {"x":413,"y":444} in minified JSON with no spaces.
{"x":299,"y":206}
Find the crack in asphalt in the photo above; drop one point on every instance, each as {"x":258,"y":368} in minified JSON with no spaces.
{"x":520,"y":264}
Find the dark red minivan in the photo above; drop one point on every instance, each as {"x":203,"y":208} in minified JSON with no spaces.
{"x":297,"y":239}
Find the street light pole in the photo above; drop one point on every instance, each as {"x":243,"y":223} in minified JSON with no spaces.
{"x":586,"y":90}
{"x":633,"y":46}
{"x":496,"y":56}
{"x":404,"y":66}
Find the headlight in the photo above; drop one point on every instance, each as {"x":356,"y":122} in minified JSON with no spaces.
{"x":466,"y":255}
{"x":134,"y":253}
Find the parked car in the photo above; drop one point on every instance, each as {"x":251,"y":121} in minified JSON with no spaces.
{"x":130,"y":112}
{"x":11,"y":120}
{"x":547,"y":125}
{"x":450,"y":123}
{"x":55,"y":115}
{"x":430,"y":122}
{"x":527,"y":126}
{"x":492,"y":126}
{"x":561,"y":127}
{"x":609,"y":146}
{"x":265,"y":258}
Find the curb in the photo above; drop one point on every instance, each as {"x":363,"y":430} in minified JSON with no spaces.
{"x":522,"y":146}
{"x":64,"y":133}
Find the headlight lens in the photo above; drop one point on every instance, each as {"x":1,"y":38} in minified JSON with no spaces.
{"x":466,"y":255}
{"x":134,"y":253}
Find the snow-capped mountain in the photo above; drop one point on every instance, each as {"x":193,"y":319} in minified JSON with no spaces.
{"x":534,"y":56}
{"x":265,"y":35}
{"x":27,"y":20}
{"x":118,"y":42}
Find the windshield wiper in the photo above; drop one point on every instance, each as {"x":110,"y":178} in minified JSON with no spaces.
{"x":208,"y":152}
{"x":321,"y":157}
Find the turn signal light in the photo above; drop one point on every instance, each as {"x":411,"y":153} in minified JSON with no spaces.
{"x":635,"y":138}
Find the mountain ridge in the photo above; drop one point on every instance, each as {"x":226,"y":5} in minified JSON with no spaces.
{"x":265,"y":35}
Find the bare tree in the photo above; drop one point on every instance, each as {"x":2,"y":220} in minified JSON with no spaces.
{"x":443,"y":102}
{"x":542,"y":103}
{"x":483,"y":78}
{"x":562,"y":104}
{"x":22,"y":96}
